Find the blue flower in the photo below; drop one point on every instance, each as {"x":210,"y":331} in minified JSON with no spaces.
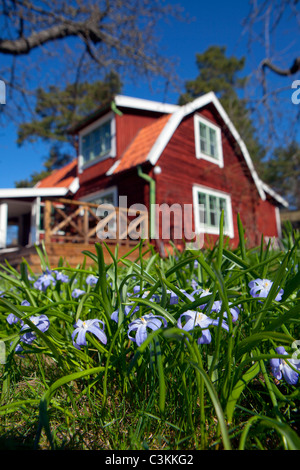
{"x":194,"y":284}
{"x":61,"y":277}
{"x":41,"y":322}
{"x":173,"y":297}
{"x":280,"y":368}
{"x":77,"y":293}
{"x":153,"y":298}
{"x":234,"y":311}
{"x":140,"y":325}
{"x":45,"y":280}
{"x":199,"y":319}
{"x":12,"y":318}
{"x":88,"y":326}
{"x":91,"y":280}
{"x":261,"y":288}
{"x":127,"y":309}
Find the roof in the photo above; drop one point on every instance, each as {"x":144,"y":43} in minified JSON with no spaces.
{"x":141,"y":145}
{"x":122,"y":101}
{"x":8,"y":193}
{"x":59,"y":183}
{"x":61,"y":178}
{"x":167,"y":130}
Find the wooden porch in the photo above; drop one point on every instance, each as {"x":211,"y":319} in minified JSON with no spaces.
{"x":69,"y":227}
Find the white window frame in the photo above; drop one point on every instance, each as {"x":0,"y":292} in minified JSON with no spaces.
{"x":102,"y":192}
{"x":201,"y":227}
{"x":199,"y":154}
{"x":112,"y":152}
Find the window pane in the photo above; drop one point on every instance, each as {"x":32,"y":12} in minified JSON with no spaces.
{"x":223,"y":206}
{"x":208,"y":140}
{"x":97,"y":142}
{"x":202,"y":130}
{"x":213,"y":212}
{"x":202,"y":210}
{"x":203,"y":138}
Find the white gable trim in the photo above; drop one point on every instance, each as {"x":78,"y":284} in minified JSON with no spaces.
{"x":147,"y":105}
{"x":275,"y":195}
{"x":113,"y":167}
{"x":189,"y":108}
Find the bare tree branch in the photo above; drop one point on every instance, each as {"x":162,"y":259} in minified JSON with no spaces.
{"x":295,"y":67}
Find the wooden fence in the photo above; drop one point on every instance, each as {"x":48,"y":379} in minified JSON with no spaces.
{"x":70,"y":221}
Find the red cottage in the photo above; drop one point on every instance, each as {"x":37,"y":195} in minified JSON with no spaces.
{"x":183,"y":164}
{"x":191,"y":155}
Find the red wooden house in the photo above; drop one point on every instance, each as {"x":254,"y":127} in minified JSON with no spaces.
{"x":193,"y":155}
{"x":167,"y":157}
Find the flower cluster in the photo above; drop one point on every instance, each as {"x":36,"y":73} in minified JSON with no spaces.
{"x":199,"y":321}
{"x":45,"y":280}
{"x":262,"y":287}
{"x":27,"y":336}
{"x":189,"y":321}
{"x":51,"y":278}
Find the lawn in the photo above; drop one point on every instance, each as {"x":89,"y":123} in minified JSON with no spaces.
{"x":198,"y":350}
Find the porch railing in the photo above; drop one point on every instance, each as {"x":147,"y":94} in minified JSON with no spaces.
{"x":70,"y":221}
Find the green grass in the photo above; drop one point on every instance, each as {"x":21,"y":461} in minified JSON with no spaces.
{"x":170,"y":392}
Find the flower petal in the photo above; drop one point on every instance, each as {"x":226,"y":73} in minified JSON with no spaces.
{"x":141,"y":334}
{"x":205,"y":338}
{"x":98,"y":333}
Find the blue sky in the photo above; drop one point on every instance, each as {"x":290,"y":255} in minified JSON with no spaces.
{"x":215,"y":23}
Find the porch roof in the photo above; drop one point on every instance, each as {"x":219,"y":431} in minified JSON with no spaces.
{"x":58,"y":184}
{"x":15,"y":193}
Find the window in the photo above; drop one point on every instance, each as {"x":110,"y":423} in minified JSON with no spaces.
{"x":208,"y":206}
{"x":208,"y":140}
{"x":108,"y":196}
{"x":104,"y":197}
{"x":98,"y":141}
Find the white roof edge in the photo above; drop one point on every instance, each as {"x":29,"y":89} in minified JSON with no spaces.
{"x":275,"y":195}
{"x":241,"y":144}
{"x":189,"y":108}
{"x":74,"y":186}
{"x":8,"y":193}
{"x":113,"y":167}
{"x":147,"y":105}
